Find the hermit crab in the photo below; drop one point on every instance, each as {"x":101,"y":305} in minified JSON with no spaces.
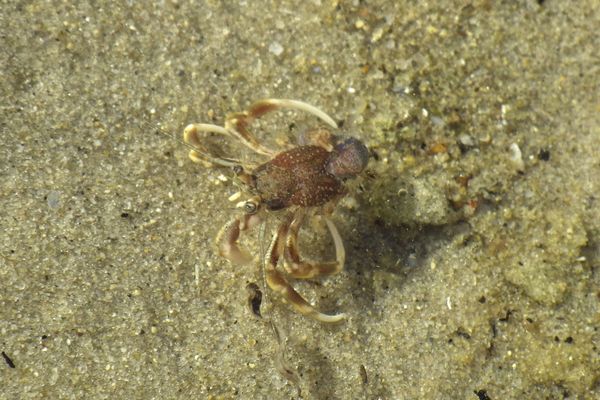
{"x":296,"y":182}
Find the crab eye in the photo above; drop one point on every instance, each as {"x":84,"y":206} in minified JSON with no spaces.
{"x":238,"y":169}
{"x":250,"y":207}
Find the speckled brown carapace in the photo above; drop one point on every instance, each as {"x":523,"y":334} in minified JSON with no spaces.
{"x":296,"y":177}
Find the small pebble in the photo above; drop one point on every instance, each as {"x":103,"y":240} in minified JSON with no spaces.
{"x":276,"y":48}
{"x":516,"y":157}
{"x":466,"y":140}
{"x":53,"y":199}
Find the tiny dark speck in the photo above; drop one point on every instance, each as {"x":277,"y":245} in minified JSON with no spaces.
{"x":124,"y":215}
{"x":482,"y":394}
{"x":569,"y":339}
{"x":544,"y":155}
{"x":254,"y":298}
{"x":462,"y":333}
{"x":363,"y":374}
{"x":9,"y":362}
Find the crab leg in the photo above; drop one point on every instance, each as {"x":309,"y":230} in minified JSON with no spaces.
{"x":262,"y":107}
{"x":229,"y":235}
{"x":279,"y":284}
{"x":306,"y":270}
{"x":199,"y":153}
{"x":238,"y":123}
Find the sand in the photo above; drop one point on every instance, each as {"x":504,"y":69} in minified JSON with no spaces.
{"x":472,"y":239}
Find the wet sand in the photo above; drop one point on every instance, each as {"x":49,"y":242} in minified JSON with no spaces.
{"x":472,"y":240}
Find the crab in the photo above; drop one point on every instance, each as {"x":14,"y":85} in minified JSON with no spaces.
{"x":298,"y":182}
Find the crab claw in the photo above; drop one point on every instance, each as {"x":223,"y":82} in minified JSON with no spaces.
{"x":233,"y":253}
{"x":230,"y":233}
{"x":227,"y":243}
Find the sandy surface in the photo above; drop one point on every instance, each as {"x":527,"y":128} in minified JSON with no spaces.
{"x":473,"y":238}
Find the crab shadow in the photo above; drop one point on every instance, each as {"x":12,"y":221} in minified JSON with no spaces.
{"x":372,"y":246}
{"x":402,"y":251}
